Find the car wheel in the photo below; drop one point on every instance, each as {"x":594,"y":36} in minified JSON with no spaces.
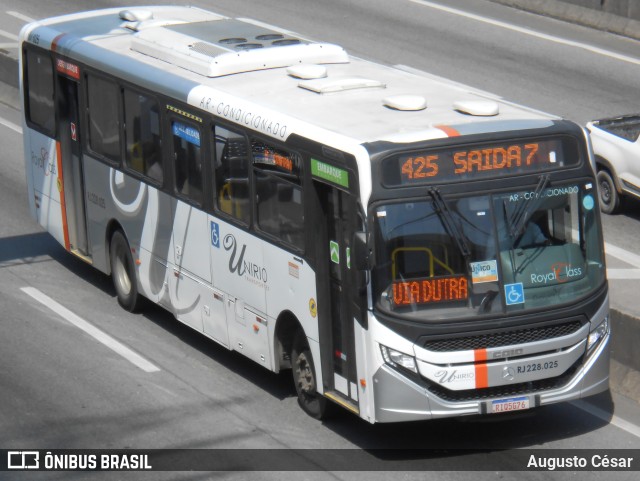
{"x":609,"y":198}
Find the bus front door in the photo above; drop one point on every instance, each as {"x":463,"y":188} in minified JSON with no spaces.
{"x":335,"y":307}
{"x":70,"y":153}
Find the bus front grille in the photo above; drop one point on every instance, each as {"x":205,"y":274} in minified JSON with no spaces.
{"x":503,"y":338}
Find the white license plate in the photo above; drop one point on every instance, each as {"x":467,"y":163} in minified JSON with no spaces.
{"x":507,"y":405}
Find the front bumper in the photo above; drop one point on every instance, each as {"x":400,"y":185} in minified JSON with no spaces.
{"x":399,"y":397}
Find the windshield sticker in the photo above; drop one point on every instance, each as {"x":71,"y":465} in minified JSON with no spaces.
{"x":588,"y":202}
{"x":485,"y":271}
{"x":560,"y":272}
{"x":429,"y":291}
{"x":552,"y":192}
{"x":514,"y":293}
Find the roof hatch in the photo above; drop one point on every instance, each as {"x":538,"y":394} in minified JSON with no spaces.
{"x":480,"y":108}
{"x":136,"y":15}
{"x":340,"y":84}
{"x":307,"y":72}
{"x":228,"y":46}
{"x":405,"y":102}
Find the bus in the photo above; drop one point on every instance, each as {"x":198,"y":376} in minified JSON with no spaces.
{"x":408,"y":247}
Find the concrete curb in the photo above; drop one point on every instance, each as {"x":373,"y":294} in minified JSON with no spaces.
{"x":625,"y":354}
{"x":586,"y":16}
{"x":10,"y":96}
{"x":625,"y":381}
{"x":9,"y":90}
{"x":8,"y":71}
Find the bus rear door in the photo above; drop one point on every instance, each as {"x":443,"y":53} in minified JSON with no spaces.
{"x":70,"y":154}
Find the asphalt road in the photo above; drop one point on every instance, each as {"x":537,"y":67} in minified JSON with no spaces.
{"x":62,"y":388}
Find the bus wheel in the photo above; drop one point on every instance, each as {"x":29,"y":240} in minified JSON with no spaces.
{"x":304,"y":378}
{"x":123,"y":272}
{"x":609,"y":198}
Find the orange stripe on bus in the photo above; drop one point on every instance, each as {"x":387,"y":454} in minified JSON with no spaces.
{"x":63,"y":203}
{"x":450,"y":131}
{"x":482,"y":372}
{"x":55,"y":41}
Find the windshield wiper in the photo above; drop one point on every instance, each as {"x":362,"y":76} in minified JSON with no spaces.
{"x":443,"y":211}
{"x":521,"y":214}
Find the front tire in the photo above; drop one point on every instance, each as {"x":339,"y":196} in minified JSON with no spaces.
{"x":609,"y":197}
{"x":123,"y":272}
{"x":304,"y":378}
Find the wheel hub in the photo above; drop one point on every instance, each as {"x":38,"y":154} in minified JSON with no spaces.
{"x":605,"y":192}
{"x":122,"y":275}
{"x":306,"y":381}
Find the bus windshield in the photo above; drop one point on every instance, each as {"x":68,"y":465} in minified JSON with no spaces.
{"x":453,"y":258}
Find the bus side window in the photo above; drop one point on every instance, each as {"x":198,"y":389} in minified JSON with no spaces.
{"x":231,"y":165}
{"x":142,"y":135}
{"x":278,"y":193}
{"x":187,"y":160}
{"x":39,"y":87}
{"x":104,"y":130}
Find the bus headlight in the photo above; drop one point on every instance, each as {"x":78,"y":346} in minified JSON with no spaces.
{"x":398,"y":359}
{"x":598,"y":333}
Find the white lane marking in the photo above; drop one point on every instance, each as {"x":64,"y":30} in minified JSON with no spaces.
{"x":628,"y":274}
{"x":622,"y":254}
{"x":527,"y":31}
{"x":6,"y":45}
{"x":90,"y":329}
{"x":11,"y":125}
{"x":607,"y":417}
{"x":20,"y":16}
{"x":9,"y":35}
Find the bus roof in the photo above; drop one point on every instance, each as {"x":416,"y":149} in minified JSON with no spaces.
{"x":247,"y":72}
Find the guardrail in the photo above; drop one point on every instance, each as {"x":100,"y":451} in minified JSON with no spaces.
{"x":617,"y":16}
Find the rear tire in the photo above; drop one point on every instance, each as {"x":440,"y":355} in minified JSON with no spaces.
{"x":304,"y":379}
{"x":609,"y":197}
{"x":123,"y":273}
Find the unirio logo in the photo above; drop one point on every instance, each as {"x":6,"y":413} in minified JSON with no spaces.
{"x":241,"y":266}
{"x":44,"y":162}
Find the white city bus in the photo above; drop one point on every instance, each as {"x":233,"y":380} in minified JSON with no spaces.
{"x":409,"y":247}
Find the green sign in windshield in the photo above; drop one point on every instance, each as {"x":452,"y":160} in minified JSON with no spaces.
{"x":329,"y":172}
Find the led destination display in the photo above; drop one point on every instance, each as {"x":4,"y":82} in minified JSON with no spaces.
{"x":432,"y":290}
{"x":487,"y":160}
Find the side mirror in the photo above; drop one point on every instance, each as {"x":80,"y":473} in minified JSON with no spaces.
{"x":360,"y":251}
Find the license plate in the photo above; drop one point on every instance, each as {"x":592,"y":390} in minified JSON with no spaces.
{"x":512,"y":404}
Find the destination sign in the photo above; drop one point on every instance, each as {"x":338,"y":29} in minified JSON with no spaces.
{"x":476,"y":161}
{"x":265,"y":155}
{"x":429,"y":291}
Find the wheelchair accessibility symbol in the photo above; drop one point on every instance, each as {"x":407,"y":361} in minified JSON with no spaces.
{"x":514,"y":294}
